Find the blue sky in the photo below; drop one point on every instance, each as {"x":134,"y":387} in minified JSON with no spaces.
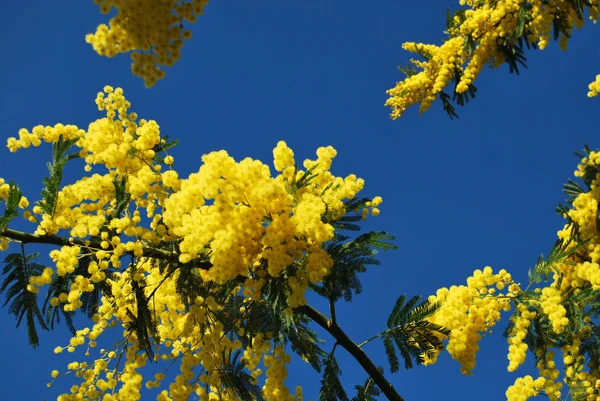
{"x":459,"y":195}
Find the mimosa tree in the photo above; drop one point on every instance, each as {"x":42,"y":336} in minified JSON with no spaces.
{"x":208,"y":274}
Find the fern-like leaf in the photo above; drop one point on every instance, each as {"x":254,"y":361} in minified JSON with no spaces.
{"x":331,"y":386}
{"x":237,"y":380}
{"x":11,"y":206}
{"x":23,"y":303}
{"x":414,"y":336}
{"x":390,"y":352}
{"x":367,"y":392}
{"x":560,"y":253}
{"x":55,"y":170}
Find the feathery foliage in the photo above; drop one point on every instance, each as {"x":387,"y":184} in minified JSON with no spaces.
{"x":162,"y":147}
{"x":121,"y":196}
{"x":560,"y":253}
{"x":11,"y":206}
{"x":142,"y":322}
{"x":350,"y":258}
{"x":410,"y":333}
{"x":237,"y":380}
{"x":17,"y":270}
{"x":366,"y":392}
{"x":55,"y":169}
{"x":459,"y":98}
{"x":53,"y":314}
{"x":331,"y":387}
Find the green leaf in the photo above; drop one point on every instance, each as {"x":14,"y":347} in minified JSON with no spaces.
{"x":23,"y":303}
{"x":408,"y":70}
{"x":377,"y":239}
{"x":561,"y":25}
{"x":469,"y":45}
{"x":12,"y":204}
{"x":413,"y":335}
{"x":572,"y":189}
{"x":331,"y":387}
{"x":390,"y":352}
{"x":121,"y":195}
{"x":578,"y":5}
{"x":55,"y":169}
{"x":237,"y":380}
{"x":520,"y":31}
{"x":162,"y":148}
{"x":304,"y":342}
{"x":401,"y":312}
{"x":447,"y":105}
{"x":306,"y":177}
{"x":462,"y":98}
{"x":367,"y":392}
{"x":393,"y":318}
{"x":449,"y":19}
{"x":143,"y":322}
{"x":586,"y":151}
{"x":349,"y":259}
{"x":52,"y":314}
{"x":590,"y":347}
{"x":513,"y":55}
{"x":560,"y":253}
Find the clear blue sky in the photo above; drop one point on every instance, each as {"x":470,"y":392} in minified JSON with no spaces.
{"x":459,"y":195}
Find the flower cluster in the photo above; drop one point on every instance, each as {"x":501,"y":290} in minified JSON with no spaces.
{"x":468,"y":311}
{"x":229,"y":222}
{"x":553,"y":317}
{"x":269,"y":222}
{"x":547,"y":368}
{"x":480,"y":35}
{"x":594,"y":87}
{"x":525,"y":388}
{"x":152,"y":30}
{"x":551,"y":305}
{"x":562,"y":305}
{"x":517,"y":350}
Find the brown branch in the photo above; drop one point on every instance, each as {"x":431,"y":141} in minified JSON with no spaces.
{"x":27,"y":238}
{"x":332,"y":311}
{"x":361,"y":357}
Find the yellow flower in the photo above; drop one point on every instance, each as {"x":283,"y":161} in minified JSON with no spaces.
{"x":129,"y":32}
{"x":23,"y":203}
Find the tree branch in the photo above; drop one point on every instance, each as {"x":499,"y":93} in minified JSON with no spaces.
{"x":27,"y":238}
{"x":342,"y":339}
{"x":330,"y":326}
{"x":332,"y":311}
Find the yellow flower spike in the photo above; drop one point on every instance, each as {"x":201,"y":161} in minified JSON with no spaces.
{"x":468,"y":314}
{"x":151,"y":45}
{"x":482,"y":23}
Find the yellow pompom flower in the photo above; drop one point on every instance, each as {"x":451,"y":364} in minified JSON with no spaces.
{"x":468,"y":312}
{"x":151,"y":30}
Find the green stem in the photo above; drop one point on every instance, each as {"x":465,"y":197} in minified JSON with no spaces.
{"x":374,"y":337}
